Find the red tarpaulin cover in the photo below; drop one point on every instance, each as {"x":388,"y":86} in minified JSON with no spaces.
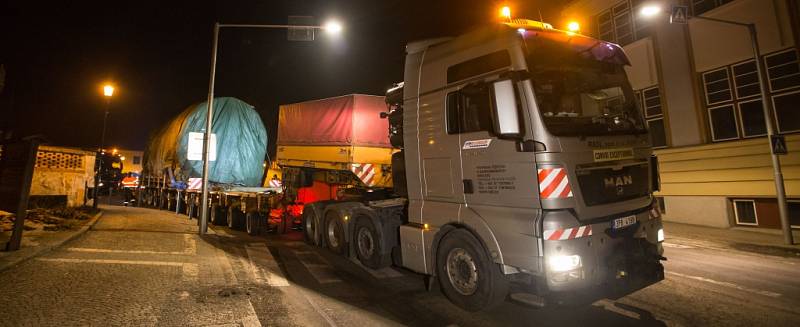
{"x":346,"y":120}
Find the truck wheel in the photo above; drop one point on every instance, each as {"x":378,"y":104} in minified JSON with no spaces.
{"x":310,"y":225}
{"x":235,"y":218}
{"x":368,"y":244}
{"x":218,"y":215}
{"x":467,"y":277}
{"x":254,"y":219}
{"x":334,"y":233}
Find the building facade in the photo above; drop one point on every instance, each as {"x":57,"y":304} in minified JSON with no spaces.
{"x":699,"y":90}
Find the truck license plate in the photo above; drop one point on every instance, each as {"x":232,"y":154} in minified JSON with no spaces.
{"x":623,"y":222}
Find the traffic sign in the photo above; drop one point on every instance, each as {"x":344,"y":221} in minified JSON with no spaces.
{"x":679,"y":15}
{"x":778,"y":144}
{"x":194,"y":149}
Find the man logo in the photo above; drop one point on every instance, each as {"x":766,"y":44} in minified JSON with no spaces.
{"x":618,"y":181}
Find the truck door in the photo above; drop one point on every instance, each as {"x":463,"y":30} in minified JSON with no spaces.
{"x":499,"y":180}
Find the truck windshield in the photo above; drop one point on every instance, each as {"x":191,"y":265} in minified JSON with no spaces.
{"x":580,"y":90}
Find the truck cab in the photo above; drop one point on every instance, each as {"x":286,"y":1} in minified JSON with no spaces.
{"x":525,"y":158}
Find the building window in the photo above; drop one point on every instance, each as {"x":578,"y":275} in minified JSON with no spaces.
{"x":651,"y":106}
{"x":745,"y":212}
{"x":783,"y":70}
{"x":787,"y":112}
{"x":137,"y":160}
{"x":793,"y":207}
{"x":733,"y":97}
{"x":605,"y":27}
{"x":702,"y":6}
{"x":622,"y":24}
{"x":723,"y":123}
{"x":717,"y":86}
{"x":751,"y":114}
{"x":745,"y":76}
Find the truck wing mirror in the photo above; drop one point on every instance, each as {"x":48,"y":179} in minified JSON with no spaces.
{"x":505,"y":109}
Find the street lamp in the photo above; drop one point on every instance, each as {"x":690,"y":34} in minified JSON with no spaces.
{"x":766,"y":106}
{"x":331,"y":27}
{"x":108,"y":92}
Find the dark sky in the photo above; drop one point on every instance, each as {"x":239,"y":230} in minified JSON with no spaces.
{"x":58,"y":53}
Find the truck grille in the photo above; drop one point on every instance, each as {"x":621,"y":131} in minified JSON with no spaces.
{"x":606,"y":185}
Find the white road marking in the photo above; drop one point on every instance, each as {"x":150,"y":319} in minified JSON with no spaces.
{"x":251,"y":319}
{"x":610,"y":306}
{"x":382,"y":273}
{"x":190,"y":271}
{"x":92,"y":250}
{"x":677,"y":246}
{"x":322,"y":272}
{"x":262,"y":263}
{"x":726,"y":284}
{"x":319,"y":310}
{"x":191,"y":244}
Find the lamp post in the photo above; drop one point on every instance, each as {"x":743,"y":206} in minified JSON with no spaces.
{"x":331,"y":27}
{"x":108,"y":92}
{"x":766,"y":106}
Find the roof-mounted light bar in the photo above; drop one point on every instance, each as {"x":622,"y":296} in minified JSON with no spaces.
{"x":518,"y":23}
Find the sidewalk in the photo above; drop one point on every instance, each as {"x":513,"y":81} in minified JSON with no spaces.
{"x":37,"y":242}
{"x":758,"y":241}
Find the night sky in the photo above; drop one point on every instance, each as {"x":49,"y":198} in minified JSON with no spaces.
{"x":57,"y":54}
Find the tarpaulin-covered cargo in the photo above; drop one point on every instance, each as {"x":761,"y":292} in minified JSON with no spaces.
{"x":346,"y":120}
{"x":241,"y":144}
{"x":341,"y":133}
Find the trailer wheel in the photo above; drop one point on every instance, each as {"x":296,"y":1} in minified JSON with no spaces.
{"x":218,"y":215}
{"x":368,"y":244}
{"x":235,"y":218}
{"x":469,"y":279}
{"x":334,"y":233}
{"x":254,"y":223}
{"x":310,"y":225}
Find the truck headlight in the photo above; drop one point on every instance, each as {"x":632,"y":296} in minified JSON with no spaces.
{"x":561,"y":263}
{"x":660,"y":234}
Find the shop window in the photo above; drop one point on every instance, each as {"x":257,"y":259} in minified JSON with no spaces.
{"x":751,"y":114}
{"x":783,"y":70}
{"x":787,"y":112}
{"x":723,"y":123}
{"x":745,"y":212}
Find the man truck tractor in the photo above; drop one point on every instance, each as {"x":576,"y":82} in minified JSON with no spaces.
{"x":521,"y":160}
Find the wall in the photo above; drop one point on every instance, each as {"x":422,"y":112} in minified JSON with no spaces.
{"x":128,"y":164}
{"x":716,"y":44}
{"x":711,"y":211}
{"x":63,"y":171}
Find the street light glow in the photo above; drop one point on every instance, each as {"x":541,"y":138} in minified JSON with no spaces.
{"x":505,"y":12}
{"x":333,"y":27}
{"x":108,"y":90}
{"x":573,"y":26}
{"x":650,"y":10}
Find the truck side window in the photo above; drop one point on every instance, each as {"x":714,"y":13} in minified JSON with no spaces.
{"x":470,"y":110}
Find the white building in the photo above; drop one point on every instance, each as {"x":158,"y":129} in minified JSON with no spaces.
{"x":701,"y":98}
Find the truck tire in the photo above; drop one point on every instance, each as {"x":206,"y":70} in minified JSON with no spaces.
{"x":334,"y":233}
{"x":235,"y":218}
{"x":310,"y":225}
{"x":367,"y":240}
{"x":218,"y":215}
{"x":254,"y":223}
{"x":468,"y":278}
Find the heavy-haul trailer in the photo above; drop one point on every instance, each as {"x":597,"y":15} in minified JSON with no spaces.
{"x":521,"y":158}
{"x":344,"y":150}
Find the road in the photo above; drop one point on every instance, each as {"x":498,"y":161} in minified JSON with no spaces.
{"x":147,"y":267}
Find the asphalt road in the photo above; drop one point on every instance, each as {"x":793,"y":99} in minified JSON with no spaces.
{"x":147,"y":267}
